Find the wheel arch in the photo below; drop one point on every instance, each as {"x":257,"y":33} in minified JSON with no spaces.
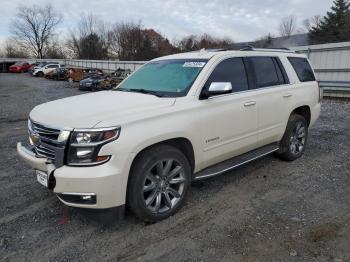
{"x":181,"y":143}
{"x":304,"y":111}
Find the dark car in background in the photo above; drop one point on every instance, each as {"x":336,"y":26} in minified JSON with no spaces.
{"x":99,"y":82}
{"x":19,"y":67}
{"x":90,"y":83}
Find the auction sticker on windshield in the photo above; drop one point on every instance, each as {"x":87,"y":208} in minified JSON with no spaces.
{"x":193,"y":64}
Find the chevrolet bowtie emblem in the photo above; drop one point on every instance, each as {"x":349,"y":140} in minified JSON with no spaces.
{"x":35,"y":138}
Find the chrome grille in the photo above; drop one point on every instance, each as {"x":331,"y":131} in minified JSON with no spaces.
{"x":43,"y":151}
{"x":47,"y":144}
{"x":46,"y":133}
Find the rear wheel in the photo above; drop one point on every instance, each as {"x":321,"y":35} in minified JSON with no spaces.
{"x":294,"y":140}
{"x":40,"y":74}
{"x":159,"y":181}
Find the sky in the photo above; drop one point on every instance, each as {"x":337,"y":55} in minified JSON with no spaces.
{"x":243,"y":20}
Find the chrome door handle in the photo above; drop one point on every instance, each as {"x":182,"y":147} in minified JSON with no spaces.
{"x":287,"y":95}
{"x":250,"y":103}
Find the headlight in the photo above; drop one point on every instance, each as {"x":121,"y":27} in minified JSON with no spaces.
{"x":85,"y":145}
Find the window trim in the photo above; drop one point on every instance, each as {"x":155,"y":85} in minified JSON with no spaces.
{"x":283,"y":70}
{"x":247,"y":72}
{"x":277,"y":63}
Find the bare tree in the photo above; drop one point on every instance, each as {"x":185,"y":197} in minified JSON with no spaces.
{"x":288,"y":26}
{"x":56,"y":49}
{"x":13,"y":50}
{"x":195,"y":42}
{"x":34,"y":26}
{"x":313,"y":22}
{"x":90,"y":39}
{"x":126,"y":40}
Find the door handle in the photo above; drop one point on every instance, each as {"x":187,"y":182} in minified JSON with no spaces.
{"x":250,"y":103}
{"x":287,"y":95}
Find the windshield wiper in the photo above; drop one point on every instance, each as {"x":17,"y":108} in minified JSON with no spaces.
{"x":143,"y":91}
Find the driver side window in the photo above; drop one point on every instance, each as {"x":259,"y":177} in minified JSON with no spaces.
{"x":230,"y":70}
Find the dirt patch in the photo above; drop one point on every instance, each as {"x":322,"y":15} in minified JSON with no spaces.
{"x":324,"y":232}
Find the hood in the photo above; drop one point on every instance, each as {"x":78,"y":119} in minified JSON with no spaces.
{"x":86,"y":111}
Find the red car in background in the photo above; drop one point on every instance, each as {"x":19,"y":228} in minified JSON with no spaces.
{"x":20,"y":67}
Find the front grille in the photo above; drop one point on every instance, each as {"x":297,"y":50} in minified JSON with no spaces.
{"x":46,"y":133}
{"x":47,"y":144}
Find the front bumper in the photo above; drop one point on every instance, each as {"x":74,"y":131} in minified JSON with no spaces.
{"x":35,"y":162}
{"x":107,"y":182}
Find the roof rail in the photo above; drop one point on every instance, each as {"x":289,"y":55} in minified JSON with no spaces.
{"x":244,"y":47}
{"x":284,"y":50}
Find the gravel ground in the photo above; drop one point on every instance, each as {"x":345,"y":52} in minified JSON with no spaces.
{"x":268,"y":210}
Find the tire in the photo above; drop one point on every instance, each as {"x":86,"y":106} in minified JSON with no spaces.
{"x":40,"y":74}
{"x":292,"y":145}
{"x":159,"y":181}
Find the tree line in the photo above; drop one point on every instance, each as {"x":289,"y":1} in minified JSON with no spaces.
{"x":34,"y":34}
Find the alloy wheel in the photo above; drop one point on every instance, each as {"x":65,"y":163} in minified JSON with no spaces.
{"x":163,"y":186}
{"x":297,"y":139}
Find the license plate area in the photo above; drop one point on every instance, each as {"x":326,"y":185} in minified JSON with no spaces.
{"x":42,"y":177}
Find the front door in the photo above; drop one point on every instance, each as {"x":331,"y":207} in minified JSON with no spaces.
{"x":229,"y":122}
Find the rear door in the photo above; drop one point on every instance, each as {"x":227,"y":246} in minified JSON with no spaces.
{"x":229,"y":122}
{"x":273,"y":95}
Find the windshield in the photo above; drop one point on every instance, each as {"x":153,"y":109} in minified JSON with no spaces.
{"x":165,"y":77}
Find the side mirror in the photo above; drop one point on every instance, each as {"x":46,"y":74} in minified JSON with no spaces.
{"x":217,"y":88}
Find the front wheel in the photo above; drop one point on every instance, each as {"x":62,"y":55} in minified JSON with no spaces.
{"x":294,"y":140}
{"x":159,"y":181}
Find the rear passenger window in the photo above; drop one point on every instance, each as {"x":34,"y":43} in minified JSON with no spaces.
{"x":230,"y":70}
{"x":302,"y":68}
{"x":267,"y":71}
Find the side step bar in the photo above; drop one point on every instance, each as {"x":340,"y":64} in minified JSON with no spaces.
{"x":236,"y":161}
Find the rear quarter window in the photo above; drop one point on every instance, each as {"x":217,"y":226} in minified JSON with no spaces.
{"x":267,"y":71}
{"x":302,"y":69}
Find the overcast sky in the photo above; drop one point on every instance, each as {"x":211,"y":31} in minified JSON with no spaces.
{"x":242,"y":20}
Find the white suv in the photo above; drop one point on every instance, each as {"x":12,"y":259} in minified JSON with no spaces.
{"x":45,"y":69}
{"x":177,"y":119}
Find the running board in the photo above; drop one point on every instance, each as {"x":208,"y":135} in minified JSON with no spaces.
{"x":236,"y":161}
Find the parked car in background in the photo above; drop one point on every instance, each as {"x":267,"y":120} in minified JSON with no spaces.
{"x":93,"y":71}
{"x":38,"y":65}
{"x":90,"y":83}
{"x":75,"y":74}
{"x":45,"y":69}
{"x":58,"y":74}
{"x":98,"y":82}
{"x":78,"y":74}
{"x":19,"y":67}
